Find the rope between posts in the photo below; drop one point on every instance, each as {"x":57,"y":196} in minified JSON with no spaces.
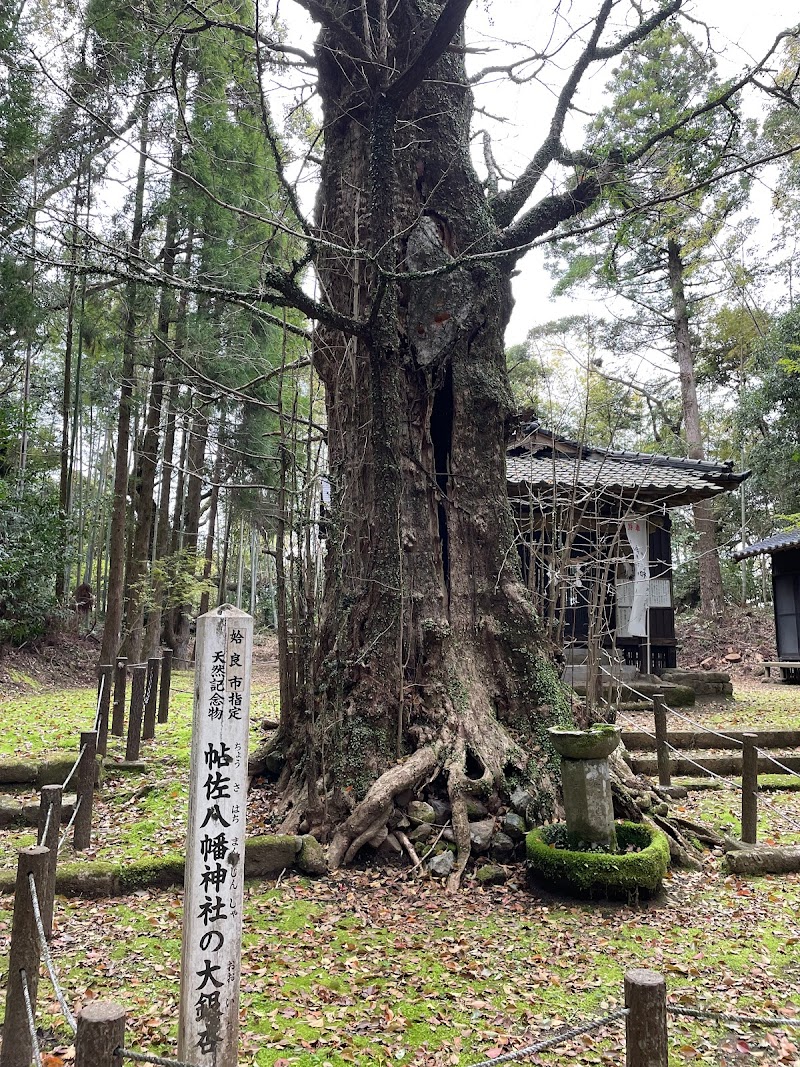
{"x":46,"y":827}
{"x":783,"y":767}
{"x":702,"y":767}
{"x":706,"y":771}
{"x":705,"y":729}
{"x":148,"y":1057}
{"x":75,"y":766}
{"x":679,"y":715}
{"x":48,"y":959}
{"x":70,"y":824}
{"x":787,"y":822}
{"x":99,"y":702}
{"x":558,"y":1037}
{"x":26,"y":996}
{"x":752,"y":1020}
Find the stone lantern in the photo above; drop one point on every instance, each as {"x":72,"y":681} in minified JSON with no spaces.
{"x":586,"y":782}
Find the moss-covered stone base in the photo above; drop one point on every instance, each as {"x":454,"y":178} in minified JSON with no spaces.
{"x":264,"y":856}
{"x":612,"y":875}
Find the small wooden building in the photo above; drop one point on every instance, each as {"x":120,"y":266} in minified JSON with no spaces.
{"x":784,"y":549}
{"x":595,"y":539}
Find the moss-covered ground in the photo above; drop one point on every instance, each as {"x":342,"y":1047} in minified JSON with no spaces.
{"x":372,"y":967}
{"x":367,"y":969}
{"x":136,"y":815}
{"x":759,"y":707}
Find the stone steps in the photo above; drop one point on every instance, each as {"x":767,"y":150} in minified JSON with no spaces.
{"x":675,"y":696}
{"x":692,"y":740}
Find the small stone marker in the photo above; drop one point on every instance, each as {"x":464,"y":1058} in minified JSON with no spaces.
{"x":212,"y":911}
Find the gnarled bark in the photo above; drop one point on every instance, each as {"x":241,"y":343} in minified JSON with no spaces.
{"x":430,"y":659}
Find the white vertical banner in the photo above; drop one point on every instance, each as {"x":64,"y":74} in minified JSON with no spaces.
{"x":636,"y":531}
{"x":208,"y":1030}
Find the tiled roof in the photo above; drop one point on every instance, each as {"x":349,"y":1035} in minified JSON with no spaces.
{"x":779,"y":542}
{"x":542,"y":458}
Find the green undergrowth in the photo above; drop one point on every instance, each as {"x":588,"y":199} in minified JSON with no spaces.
{"x":367,"y":970}
{"x":136,"y":815}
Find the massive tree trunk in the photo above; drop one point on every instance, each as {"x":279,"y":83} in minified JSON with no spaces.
{"x":430,"y":659}
{"x":711,"y":590}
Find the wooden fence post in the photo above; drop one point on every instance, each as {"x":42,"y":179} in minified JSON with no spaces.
{"x":24,"y":955}
{"x":101,"y":1031}
{"x":135,"y":714}
{"x":87,"y":771}
{"x":120,"y":682}
{"x":646,"y":1021}
{"x":749,"y":789}
{"x":166,"y":678}
{"x":662,"y":749}
{"x":104,"y":682}
{"x":149,"y":728}
{"x":49,"y":830}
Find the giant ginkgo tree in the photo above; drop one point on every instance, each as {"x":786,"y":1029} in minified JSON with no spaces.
{"x":430,"y":661}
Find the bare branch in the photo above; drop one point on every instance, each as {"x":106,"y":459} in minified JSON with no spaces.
{"x":212,"y":21}
{"x":447,"y":26}
{"x":548,"y":213}
{"x":352,"y":45}
{"x":507,"y":204}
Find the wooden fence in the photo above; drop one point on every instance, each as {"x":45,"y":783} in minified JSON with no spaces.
{"x":36,"y":869}
{"x":753,"y":757}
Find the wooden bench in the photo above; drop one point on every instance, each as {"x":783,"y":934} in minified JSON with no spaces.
{"x":791,"y":667}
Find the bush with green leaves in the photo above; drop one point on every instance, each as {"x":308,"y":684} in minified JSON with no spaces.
{"x":30,"y":557}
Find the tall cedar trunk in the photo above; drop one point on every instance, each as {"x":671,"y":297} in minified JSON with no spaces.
{"x":148,"y":456}
{"x":429,"y":649}
{"x":66,"y":392}
{"x":116,"y":563}
{"x":195,"y":457}
{"x":213,"y":507}
{"x":162,"y":534}
{"x":711,"y":591}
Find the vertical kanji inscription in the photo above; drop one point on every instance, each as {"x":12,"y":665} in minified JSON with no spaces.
{"x":212,"y":916}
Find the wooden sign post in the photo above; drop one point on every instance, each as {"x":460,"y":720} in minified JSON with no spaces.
{"x":212,"y":911}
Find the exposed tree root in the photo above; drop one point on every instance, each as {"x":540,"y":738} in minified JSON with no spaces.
{"x":368,"y":835}
{"x":377,"y":804}
{"x":456,"y":788}
{"x":699,"y":830}
{"x":412,"y":853}
{"x":682,"y":852}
